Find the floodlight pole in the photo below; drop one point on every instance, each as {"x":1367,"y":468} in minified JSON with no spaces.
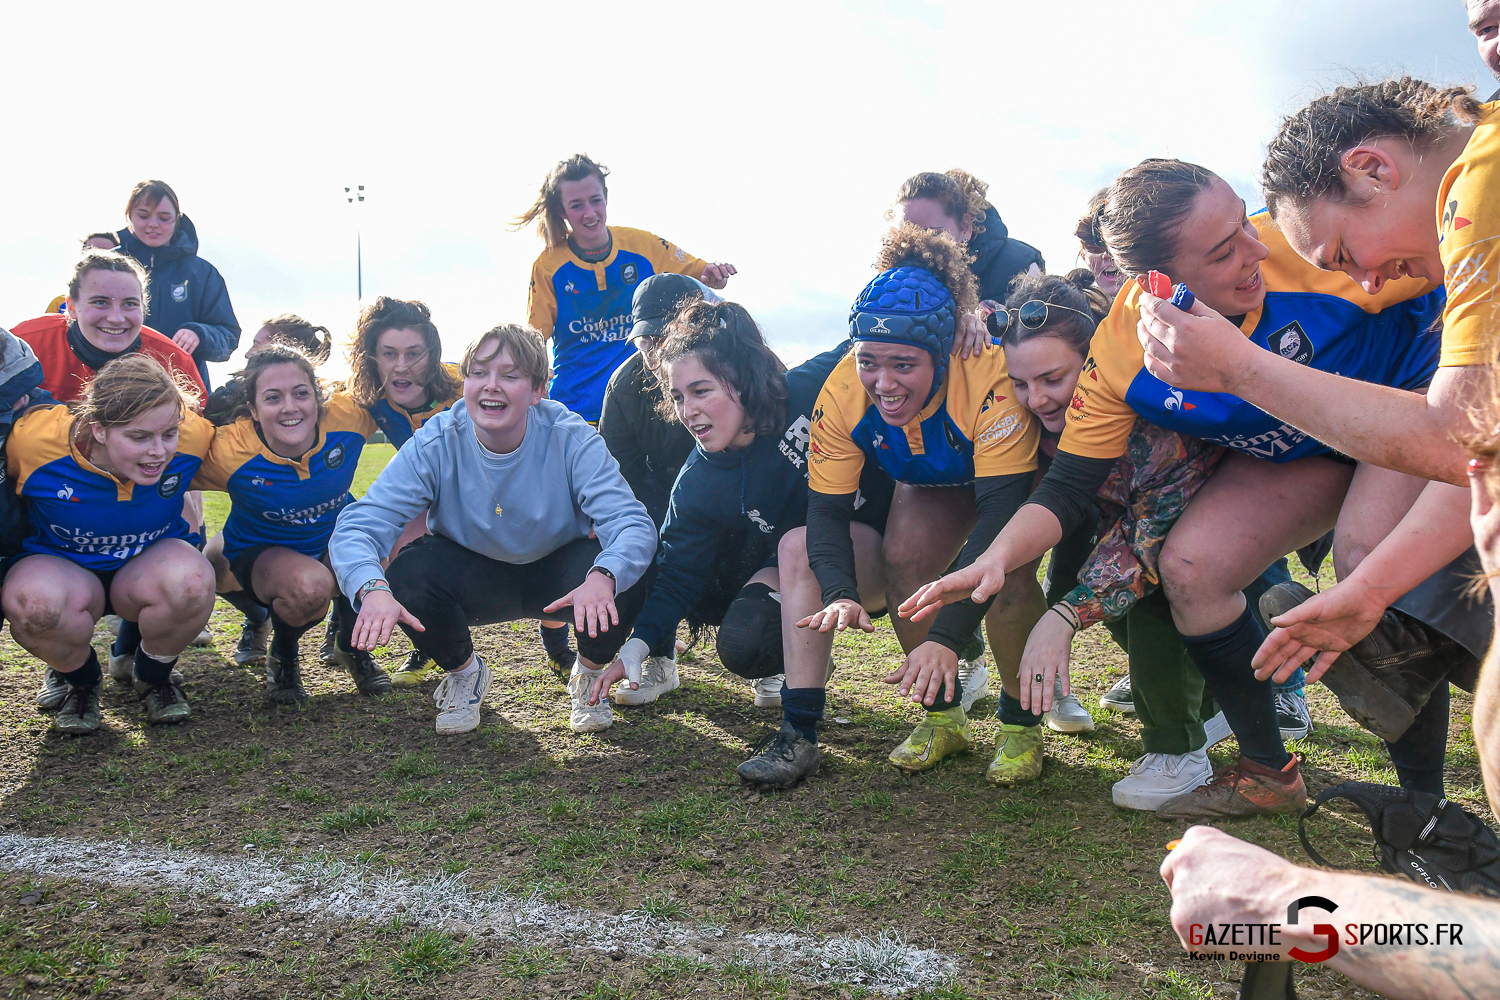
{"x":356,"y":196}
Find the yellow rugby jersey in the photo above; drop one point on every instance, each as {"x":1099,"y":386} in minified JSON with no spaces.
{"x":282,"y":501}
{"x":1468,"y":215}
{"x":1317,"y":318}
{"x":971,"y":427}
{"x":585,"y":307}
{"x":82,"y":513}
{"x":399,"y":423}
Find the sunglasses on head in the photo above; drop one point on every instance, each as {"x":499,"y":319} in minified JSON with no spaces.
{"x":1032,"y":315}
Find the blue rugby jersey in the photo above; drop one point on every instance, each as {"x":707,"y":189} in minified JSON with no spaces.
{"x":585,"y":308}
{"x":1316,"y":318}
{"x":81,"y":513}
{"x":399,"y":423}
{"x":279,"y":501}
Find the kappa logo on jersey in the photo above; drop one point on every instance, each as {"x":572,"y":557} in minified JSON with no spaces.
{"x":1174,"y":401}
{"x":629,"y":273}
{"x":335,"y":457}
{"x":1292,"y":343}
{"x":179,"y":292}
{"x":66,"y":493}
{"x":167,"y":488}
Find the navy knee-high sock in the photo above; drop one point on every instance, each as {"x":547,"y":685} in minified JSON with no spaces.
{"x":802,"y":708}
{"x":127,"y":639}
{"x":1223,"y":657}
{"x":1418,"y":754}
{"x":285,"y":637}
{"x":254,"y":611}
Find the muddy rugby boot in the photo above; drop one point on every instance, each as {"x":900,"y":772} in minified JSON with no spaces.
{"x":284,"y":679}
{"x":368,"y":675}
{"x":79,"y":712}
{"x":782,"y":759}
{"x":1383,"y":680}
{"x":165,"y":704}
{"x":1018,"y":756}
{"x":1244,"y":788}
{"x":253,"y":641}
{"x":940,"y":734}
{"x":54,"y":690}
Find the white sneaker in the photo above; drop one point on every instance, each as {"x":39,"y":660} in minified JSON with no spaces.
{"x":459,"y":699}
{"x":1119,"y":697}
{"x":975,"y":675}
{"x":768,"y":690}
{"x":586,"y":718}
{"x":1158,"y":777}
{"x":204,"y":638}
{"x":1292,"y":715}
{"x":122,"y":668}
{"x":658,"y":676}
{"x":1217,"y":729}
{"x":112,"y":622}
{"x":1067,"y":714}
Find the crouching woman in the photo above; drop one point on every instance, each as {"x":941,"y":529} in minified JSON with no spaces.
{"x":529,"y":514}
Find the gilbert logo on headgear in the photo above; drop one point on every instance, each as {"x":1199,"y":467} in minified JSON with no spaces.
{"x":1328,"y":931}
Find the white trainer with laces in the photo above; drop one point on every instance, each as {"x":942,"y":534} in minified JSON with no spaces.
{"x":459,"y":699}
{"x":658,"y":676}
{"x":975,"y":675}
{"x":586,"y":718}
{"x":1067,"y":714}
{"x":1157,"y":777}
{"x":768,"y":690}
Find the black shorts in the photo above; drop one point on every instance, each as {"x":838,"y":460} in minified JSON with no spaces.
{"x":106,"y":577}
{"x":242,"y":566}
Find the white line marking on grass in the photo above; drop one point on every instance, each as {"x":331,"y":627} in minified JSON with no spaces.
{"x":340,"y":890}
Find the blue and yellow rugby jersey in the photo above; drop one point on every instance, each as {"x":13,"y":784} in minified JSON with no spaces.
{"x":278,"y":501}
{"x":1316,"y":318}
{"x":585,"y":309}
{"x":1468,"y":212}
{"x":82,"y":513}
{"x":971,"y":427}
{"x":399,"y":423}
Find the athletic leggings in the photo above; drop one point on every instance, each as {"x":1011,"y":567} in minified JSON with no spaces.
{"x":449,"y":588}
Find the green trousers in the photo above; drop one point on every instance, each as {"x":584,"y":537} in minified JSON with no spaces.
{"x":1171,"y":699}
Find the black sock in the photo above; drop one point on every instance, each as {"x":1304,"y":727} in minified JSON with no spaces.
{"x":1418,"y":755}
{"x":151,"y":671}
{"x":254,"y":611}
{"x":127,"y":640}
{"x":347,"y":617}
{"x":555,"y":641}
{"x":285,"y":637}
{"x":974,"y":648}
{"x":802,"y":708}
{"x":1249,"y":705}
{"x":1012,"y":714}
{"x":87,"y":675}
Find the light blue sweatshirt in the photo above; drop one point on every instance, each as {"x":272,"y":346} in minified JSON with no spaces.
{"x":514,"y":508}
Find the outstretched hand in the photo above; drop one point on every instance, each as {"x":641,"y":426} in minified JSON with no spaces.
{"x":716,"y":276}
{"x":379,"y":614}
{"x":928,"y":670}
{"x":839,"y":615}
{"x":1046,"y":657}
{"x":593,"y":603}
{"x":627,"y":666}
{"x":1324,"y":626}
{"x":1197,"y":349}
{"x":979,"y":580}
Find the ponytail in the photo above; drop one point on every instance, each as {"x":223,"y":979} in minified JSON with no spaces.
{"x":726,"y":341}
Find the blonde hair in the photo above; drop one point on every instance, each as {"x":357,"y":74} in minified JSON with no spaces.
{"x":547,"y":210}
{"x":129,"y":386}
{"x":527,"y":350}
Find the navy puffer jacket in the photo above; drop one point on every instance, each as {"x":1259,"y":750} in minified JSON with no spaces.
{"x":187,"y":292}
{"x":998,"y":258}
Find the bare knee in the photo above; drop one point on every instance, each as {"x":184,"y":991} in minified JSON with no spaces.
{"x":1348,"y":553}
{"x":34,"y":610}
{"x":306,"y":594}
{"x":1183,"y":572}
{"x":791,"y":553}
{"x":1020,"y":589}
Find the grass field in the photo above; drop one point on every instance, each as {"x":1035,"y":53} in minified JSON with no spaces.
{"x":345,"y":851}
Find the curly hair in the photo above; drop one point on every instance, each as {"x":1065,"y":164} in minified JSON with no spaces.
{"x":726,"y":341}
{"x":909,"y":245}
{"x":1138,"y":220}
{"x":959,"y":193}
{"x":1077,"y":290}
{"x":387,"y":313}
{"x":289,"y":328}
{"x":1304,"y":160}
{"x":547,"y":210}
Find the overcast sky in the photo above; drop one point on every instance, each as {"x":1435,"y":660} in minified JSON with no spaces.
{"x":770,"y":135}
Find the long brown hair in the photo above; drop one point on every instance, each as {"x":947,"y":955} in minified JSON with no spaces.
{"x":1304,"y":160}
{"x":1139,"y":219}
{"x":289,"y":328}
{"x":725,"y":339}
{"x":277,"y":352}
{"x":547,"y":210}
{"x":387,"y":313}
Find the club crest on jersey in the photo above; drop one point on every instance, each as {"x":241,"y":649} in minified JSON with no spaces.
{"x":335,"y":457}
{"x":1292,"y":343}
{"x":167,"y":488}
{"x":179,"y":292}
{"x":629,"y":273}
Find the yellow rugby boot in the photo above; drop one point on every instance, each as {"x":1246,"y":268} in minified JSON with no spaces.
{"x":1018,"y":756}
{"x":941,"y":734}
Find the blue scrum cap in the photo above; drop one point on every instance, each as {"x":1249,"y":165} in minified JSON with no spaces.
{"x":907,"y":305}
